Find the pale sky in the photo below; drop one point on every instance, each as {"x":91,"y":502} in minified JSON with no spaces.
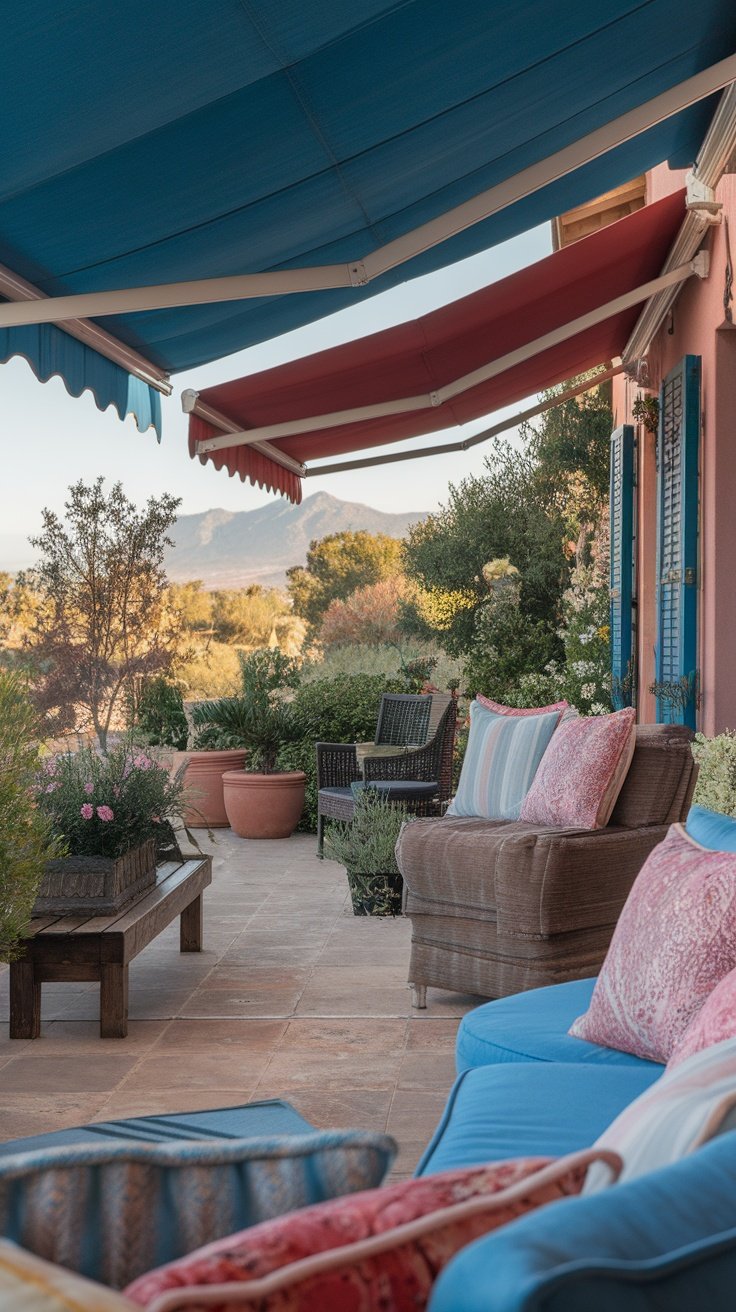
{"x":50,"y":439}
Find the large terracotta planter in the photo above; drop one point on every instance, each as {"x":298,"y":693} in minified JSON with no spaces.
{"x":203,"y":781}
{"x":264,"y":805}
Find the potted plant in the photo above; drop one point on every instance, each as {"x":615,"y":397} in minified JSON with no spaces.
{"x":366,"y":846}
{"x":264,"y":801}
{"x":26,"y":840}
{"x":112,"y":812}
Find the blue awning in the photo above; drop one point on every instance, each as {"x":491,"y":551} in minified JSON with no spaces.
{"x":190,"y":139}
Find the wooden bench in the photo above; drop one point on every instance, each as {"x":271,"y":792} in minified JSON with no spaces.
{"x":100,"y":948}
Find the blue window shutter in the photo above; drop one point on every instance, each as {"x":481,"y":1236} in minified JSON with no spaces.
{"x":622,"y":564}
{"x":677,"y":557}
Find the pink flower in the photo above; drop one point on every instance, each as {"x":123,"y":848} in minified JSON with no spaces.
{"x":51,"y":788}
{"x":105,"y":813}
{"x":87,"y":811}
{"x":89,"y":788}
{"x":50,"y":766}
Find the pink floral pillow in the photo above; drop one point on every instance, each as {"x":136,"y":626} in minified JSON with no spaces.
{"x":674,"y":942}
{"x":379,"y":1251}
{"x":582,"y":771}
{"x":498,"y":709}
{"x":715,"y":1022}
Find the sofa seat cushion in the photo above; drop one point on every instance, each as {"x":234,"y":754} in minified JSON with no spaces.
{"x":533,"y":1026}
{"x":663,"y":1243}
{"x":538,"y":1109}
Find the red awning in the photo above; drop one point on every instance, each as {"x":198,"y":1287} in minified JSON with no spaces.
{"x":416,"y":364}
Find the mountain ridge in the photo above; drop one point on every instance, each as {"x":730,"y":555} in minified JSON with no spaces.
{"x":230,"y":549}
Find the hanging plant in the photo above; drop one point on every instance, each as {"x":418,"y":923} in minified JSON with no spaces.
{"x":646,"y":411}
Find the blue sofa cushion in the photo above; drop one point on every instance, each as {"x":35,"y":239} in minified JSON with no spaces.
{"x":663,"y":1243}
{"x":711,"y":829}
{"x":533,"y":1026}
{"x":529,"y":1110}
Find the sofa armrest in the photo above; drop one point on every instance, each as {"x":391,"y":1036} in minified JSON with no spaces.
{"x":553,"y":881}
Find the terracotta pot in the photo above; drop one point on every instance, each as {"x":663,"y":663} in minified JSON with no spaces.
{"x":204,"y":785}
{"x":264,"y":805}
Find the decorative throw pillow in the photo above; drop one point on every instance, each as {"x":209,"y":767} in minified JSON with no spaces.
{"x":711,"y":829}
{"x":675,"y":940}
{"x":378,"y":1251}
{"x":498,"y":709}
{"x":715,"y":1022}
{"x":115,"y":1209}
{"x":582,"y":771}
{"x":501,"y":760}
{"x":673,"y":1117}
{"x":28,"y":1284}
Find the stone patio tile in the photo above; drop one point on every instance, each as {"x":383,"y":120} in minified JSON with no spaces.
{"x":82,"y":1036}
{"x":406,"y":1160}
{"x":345,"y":1035}
{"x":365,"y":1109}
{"x":160,"y":1102}
{"x":42,"y":1072}
{"x":221,"y":1035}
{"x":414,"y":1113}
{"x":354,"y":1000}
{"x":427,"y":1069}
{"x":197,"y":1070}
{"x":21,"y":1115}
{"x":426,"y":1031}
{"x":328,"y":1070}
{"x":270,"y":1003}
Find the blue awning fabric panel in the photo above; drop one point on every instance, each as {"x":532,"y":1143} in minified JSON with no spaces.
{"x":151,"y":143}
{"x":50,"y":351}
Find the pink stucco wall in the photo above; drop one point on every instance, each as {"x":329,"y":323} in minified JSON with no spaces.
{"x":696,"y":327}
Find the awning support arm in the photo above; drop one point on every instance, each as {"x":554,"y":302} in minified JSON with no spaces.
{"x":191,"y":405}
{"x":19,"y":290}
{"x":359,"y":272}
{"x":432,"y":400}
{"x":446,"y":448}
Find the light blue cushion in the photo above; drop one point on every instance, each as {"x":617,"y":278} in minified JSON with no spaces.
{"x":533,"y":1026}
{"x":112,"y":1210}
{"x":664,"y":1243}
{"x":540,"y":1109}
{"x":500,"y":762}
{"x":711,"y":829}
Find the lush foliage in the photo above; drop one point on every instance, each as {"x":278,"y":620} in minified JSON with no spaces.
{"x":156,"y":713}
{"x":366,"y":847}
{"x":103,"y":618}
{"x":338,"y":710}
{"x":26,"y":842}
{"x":570,"y":446}
{"x":259,"y":719}
{"x":104,"y":805}
{"x":369,"y":615}
{"x":716,"y":758}
{"x":507,"y":645}
{"x":337,"y":565}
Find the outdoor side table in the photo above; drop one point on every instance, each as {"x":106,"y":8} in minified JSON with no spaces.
{"x":100,"y":948}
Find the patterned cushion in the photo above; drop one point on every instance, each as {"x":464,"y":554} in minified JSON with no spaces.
{"x":675,"y":940}
{"x":111,"y":1211}
{"x":501,"y":760}
{"x":27,"y":1284}
{"x":715,"y":1022}
{"x":582,"y":771}
{"x":498,"y":709}
{"x":376,"y":1251}
{"x":684,"y":1109}
{"x":712,"y":830}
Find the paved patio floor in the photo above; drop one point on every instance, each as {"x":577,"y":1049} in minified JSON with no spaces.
{"x":292,"y":997}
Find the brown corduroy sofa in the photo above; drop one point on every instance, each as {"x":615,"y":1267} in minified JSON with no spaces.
{"x":502,"y":906}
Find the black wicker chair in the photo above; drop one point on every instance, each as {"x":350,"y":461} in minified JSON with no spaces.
{"x":420,"y":778}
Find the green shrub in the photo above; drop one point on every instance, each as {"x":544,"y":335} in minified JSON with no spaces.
{"x":716,"y":758}
{"x":159,"y":719}
{"x":25,"y":832}
{"x":339,"y":710}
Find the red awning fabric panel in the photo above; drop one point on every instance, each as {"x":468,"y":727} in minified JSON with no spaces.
{"x":425,"y":354}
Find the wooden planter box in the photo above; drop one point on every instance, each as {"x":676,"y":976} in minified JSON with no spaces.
{"x":96,"y":884}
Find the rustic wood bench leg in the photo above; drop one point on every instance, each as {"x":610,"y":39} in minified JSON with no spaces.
{"x":113,"y":1001}
{"x":25,"y":1001}
{"x":190,"y":927}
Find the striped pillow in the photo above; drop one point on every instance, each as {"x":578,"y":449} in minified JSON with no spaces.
{"x":500,"y":763}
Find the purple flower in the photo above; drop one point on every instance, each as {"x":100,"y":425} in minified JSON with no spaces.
{"x":87,"y":811}
{"x":51,"y":788}
{"x":89,"y":788}
{"x":105,"y":813}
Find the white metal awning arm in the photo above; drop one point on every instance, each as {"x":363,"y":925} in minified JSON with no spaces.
{"x":718,"y":147}
{"x":19,"y":290}
{"x":445,"y":448}
{"x":191,"y":405}
{"x":441,"y":395}
{"x":357,"y":273}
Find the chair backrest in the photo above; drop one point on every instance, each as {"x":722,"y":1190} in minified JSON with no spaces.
{"x":403,"y":719}
{"x":448,"y":728}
